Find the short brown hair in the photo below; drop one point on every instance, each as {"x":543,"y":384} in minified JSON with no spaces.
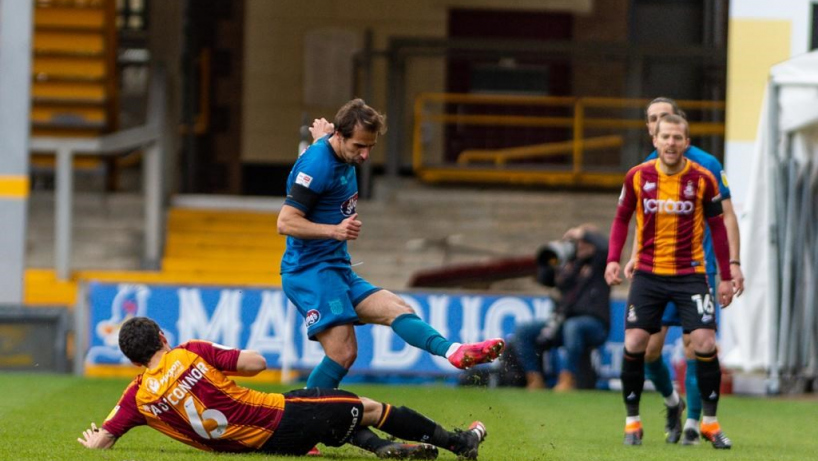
{"x":675,"y":120}
{"x":139,"y":339}
{"x":357,"y":113}
{"x":673,"y":105}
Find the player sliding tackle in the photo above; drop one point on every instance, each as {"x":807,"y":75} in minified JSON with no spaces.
{"x":186,"y":394}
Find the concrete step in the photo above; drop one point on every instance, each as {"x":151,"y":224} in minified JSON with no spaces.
{"x":407,"y":227}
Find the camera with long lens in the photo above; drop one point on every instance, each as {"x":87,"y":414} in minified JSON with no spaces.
{"x":550,"y":256}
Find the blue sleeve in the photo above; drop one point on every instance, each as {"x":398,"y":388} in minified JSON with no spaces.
{"x":312,"y":172}
{"x":714,"y":166}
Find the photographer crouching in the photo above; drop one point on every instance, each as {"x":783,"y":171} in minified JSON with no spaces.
{"x":576,"y":267}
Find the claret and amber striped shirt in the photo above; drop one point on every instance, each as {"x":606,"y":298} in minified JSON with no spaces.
{"x":189,"y":398}
{"x":671,"y":211}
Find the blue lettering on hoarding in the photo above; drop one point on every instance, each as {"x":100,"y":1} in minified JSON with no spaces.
{"x":263,"y":320}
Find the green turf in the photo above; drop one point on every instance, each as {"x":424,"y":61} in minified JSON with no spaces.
{"x":41,"y":416}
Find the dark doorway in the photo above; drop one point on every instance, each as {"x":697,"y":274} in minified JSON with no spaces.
{"x":212,"y":95}
{"x":512,"y":75}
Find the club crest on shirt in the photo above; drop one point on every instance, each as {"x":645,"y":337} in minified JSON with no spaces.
{"x":303,"y":179}
{"x":336,"y":307}
{"x":724,"y":178}
{"x":350,"y":205}
{"x":632,"y":314}
{"x":312,"y":317}
{"x":689,"y":191}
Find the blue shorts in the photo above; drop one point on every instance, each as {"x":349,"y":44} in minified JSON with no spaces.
{"x":671,"y":316}
{"x":326,"y":295}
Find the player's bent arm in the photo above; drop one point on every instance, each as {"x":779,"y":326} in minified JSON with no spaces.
{"x":734,"y":240}
{"x":630,"y":266}
{"x":250,"y":363}
{"x":619,"y":233}
{"x":97,"y":438}
{"x":293,"y":222}
{"x":320,"y":128}
{"x":731,"y":224}
{"x":612,"y":273}
{"x":725,"y":293}
{"x":720,"y":246}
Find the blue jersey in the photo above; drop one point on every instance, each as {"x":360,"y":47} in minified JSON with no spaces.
{"x":714,"y":166}
{"x":333,"y":187}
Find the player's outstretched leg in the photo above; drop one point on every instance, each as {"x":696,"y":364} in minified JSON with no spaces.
{"x":420,"y":334}
{"x":470,"y":440}
{"x":367,"y":440}
{"x":407,"y":424}
{"x":407,"y":451}
{"x":469,"y":355}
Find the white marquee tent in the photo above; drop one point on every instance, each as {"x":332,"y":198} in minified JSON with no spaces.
{"x":772,"y":327}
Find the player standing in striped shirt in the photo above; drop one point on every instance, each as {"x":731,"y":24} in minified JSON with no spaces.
{"x":656,"y":369}
{"x":672,"y":197}
{"x":186,"y":393}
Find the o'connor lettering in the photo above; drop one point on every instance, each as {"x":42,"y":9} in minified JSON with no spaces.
{"x":667,"y":206}
{"x":176,"y":394}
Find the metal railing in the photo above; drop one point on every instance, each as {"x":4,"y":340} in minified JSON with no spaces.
{"x":614,"y":130}
{"x":149,"y":137}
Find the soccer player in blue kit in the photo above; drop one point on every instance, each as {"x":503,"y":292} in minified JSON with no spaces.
{"x":655,"y":367}
{"x":318,"y":217}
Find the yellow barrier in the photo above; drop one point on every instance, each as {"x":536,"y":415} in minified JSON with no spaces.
{"x":499,"y":171}
{"x":500,"y":156}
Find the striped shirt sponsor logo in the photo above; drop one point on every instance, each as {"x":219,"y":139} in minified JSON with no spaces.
{"x":666,"y":206}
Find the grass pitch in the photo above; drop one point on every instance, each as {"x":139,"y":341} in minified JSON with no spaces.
{"x":41,"y":416}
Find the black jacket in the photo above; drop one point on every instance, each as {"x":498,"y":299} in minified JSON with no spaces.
{"x":585,"y":292}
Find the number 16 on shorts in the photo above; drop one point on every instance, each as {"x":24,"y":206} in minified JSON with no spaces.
{"x":705,"y":307}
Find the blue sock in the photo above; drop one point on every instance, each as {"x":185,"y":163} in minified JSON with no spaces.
{"x":658,"y":373}
{"x":420,"y":334}
{"x":694,"y":398}
{"x":328,"y":375}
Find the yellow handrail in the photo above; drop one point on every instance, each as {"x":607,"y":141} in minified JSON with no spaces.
{"x":579,"y":122}
{"x":500,"y":156}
